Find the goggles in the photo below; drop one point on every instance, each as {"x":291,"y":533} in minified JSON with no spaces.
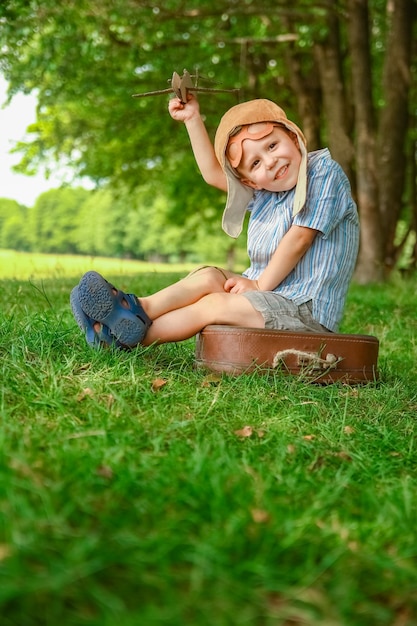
{"x":255,"y":131}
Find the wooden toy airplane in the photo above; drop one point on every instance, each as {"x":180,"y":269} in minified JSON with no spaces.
{"x":181,"y":85}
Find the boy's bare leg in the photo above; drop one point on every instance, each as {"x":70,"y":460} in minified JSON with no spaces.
{"x":186,"y":291}
{"x":183,"y":309}
{"x":214,"y":308}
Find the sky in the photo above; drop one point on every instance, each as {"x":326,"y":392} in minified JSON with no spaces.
{"x":14,"y":119}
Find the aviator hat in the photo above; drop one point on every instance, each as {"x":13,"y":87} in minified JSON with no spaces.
{"x":238,"y":194}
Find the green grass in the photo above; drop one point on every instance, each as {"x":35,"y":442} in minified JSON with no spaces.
{"x":122,"y":504}
{"x":37,"y":266}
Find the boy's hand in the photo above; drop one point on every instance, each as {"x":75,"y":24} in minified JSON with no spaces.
{"x":240,"y":284}
{"x":184,"y":112}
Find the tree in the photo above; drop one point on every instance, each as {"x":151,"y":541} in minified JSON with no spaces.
{"x":342,"y":70}
{"x":51,"y":221}
{"x":13,"y":220}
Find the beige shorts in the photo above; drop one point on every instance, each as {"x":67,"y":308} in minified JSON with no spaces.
{"x":280,"y":313}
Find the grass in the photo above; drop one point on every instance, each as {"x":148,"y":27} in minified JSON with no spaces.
{"x":37,"y":266}
{"x":127,"y":497}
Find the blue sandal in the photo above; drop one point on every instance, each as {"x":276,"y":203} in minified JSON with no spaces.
{"x":95,"y":339}
{"x":120,"y":312}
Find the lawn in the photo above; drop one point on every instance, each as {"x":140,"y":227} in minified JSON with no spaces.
{"x":129,"y":495}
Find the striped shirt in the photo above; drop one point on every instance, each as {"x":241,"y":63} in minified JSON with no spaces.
{"x":323,"y":274}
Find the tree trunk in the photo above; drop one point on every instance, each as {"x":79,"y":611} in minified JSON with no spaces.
{"x":308,"y":103}
{"x":336,"y":105}
{"x":394,"y":121}
{"x":306,"y":90}
{"x":370,"y":262}
{"x":413,"y":206}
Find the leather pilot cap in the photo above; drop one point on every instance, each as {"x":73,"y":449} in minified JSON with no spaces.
{"x":238,"y":194}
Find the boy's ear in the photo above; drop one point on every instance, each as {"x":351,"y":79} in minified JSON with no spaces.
{"x":249,"y":183}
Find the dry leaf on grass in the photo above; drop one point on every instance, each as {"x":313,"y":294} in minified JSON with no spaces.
{"x":211,"y":379}
{"x":349,"y":430}
{"x":85,"y":393}
{"x":109,"y":399}
{"x":104,"y":471}
{"x":343,"y":455}
{"x":260,"y":516}
{"x":246,"y":431}
{"x":158,"y":383}
{"x":316,"y":464}
{"x":5,"y":551}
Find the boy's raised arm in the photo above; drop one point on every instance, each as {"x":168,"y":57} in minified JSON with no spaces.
{"x":202,"y":147}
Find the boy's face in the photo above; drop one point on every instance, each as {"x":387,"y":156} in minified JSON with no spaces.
{"x":270,"y":163}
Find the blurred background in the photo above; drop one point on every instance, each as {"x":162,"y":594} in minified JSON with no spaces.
{"x":101,"y":173}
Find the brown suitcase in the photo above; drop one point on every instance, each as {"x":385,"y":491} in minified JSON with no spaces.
{"x":317,"y":357}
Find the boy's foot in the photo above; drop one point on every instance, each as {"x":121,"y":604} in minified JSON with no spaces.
{"x":120,"y":312}
{"x":97,"y":335}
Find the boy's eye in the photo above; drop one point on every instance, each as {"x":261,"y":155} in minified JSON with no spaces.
{"x":254,"y":164}
{"x":272,"y":145}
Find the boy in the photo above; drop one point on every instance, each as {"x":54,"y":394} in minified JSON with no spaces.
{"x":303,"y":237}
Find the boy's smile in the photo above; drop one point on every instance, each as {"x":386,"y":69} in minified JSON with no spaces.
{"x":270,"y":163}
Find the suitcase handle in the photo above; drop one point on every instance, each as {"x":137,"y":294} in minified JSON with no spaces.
{"x":310,"y":359}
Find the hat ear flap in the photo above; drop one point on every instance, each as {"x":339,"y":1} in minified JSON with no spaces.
{"x":238,"y":198}
{"x":301,"y":186}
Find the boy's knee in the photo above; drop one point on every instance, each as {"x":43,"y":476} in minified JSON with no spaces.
{"x":213,"y":276}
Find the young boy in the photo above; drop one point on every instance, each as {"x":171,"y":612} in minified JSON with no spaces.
{"x":303,"y":237}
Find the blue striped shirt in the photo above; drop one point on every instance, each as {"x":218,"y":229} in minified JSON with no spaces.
{"x":323,"y":274}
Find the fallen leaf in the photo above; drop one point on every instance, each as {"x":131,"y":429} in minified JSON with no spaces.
{"x":158,"y":383}
{"x":211,"y":379}
{"x":316,"y":464}
{"x":291,"y":448}
{"x":109,"y":399}
{"x":104,"y":471}
{"x":5,"y":551}
{"x":85,"y":393}
{"x":349,"y":430}
{"x":260,"y":516}
{"x":309,"y":437}
{"x":246,"y":431}
{"x":343,"y":455}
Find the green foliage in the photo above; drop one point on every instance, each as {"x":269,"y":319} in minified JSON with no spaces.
{"x":51,"y":220}
{"x":13,"y":225}
{"x":85,"y":59}
{"x":139,"y":224}
{"x":125,"y":503}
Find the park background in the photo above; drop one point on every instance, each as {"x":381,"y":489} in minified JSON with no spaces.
{"x":344,"y":71}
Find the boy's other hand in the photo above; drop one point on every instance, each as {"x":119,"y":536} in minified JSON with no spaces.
{"x":240,"y":284}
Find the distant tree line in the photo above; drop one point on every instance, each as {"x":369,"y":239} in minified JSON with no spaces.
{"x":135,"y":224}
